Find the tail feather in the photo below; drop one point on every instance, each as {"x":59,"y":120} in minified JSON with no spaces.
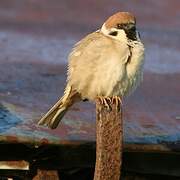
{"x":56,"y":113}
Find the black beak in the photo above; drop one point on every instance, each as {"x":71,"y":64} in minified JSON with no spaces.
{"x":131,"y":34}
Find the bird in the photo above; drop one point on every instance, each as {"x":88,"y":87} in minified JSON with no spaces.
{"x":105,"y":63}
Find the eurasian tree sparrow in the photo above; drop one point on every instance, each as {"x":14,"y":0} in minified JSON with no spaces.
{"x":105,"y":63}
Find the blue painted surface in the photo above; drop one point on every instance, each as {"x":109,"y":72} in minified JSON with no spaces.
{"x":7,"y":119}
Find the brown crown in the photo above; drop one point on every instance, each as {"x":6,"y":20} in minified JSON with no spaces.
{"x":119,"y":18}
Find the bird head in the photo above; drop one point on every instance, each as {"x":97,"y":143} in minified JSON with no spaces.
{"x":121,"y":25}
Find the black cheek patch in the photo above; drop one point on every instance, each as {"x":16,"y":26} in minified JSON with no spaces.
{"x":114,"y":33}
{"x":131,"y":35}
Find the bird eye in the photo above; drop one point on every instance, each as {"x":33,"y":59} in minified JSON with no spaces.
{"x":114,"y":33}
{"x":119,"y":26}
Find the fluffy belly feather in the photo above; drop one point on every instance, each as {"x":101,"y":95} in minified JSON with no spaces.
{"x":109,"y":80}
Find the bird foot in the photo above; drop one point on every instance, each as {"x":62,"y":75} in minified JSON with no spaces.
{"x":117,"y":101}
{"x":106,"y":101}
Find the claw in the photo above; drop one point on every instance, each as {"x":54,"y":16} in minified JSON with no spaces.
{"x":107,"y":101}
{"x":117,"y":100}
{"x":104,"y":101}
{"x":101,"y":99}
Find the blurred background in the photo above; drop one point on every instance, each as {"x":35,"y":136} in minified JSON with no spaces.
{"x":36,"y":37}
{"x":46,"y":30}
{"x":43,"y":32}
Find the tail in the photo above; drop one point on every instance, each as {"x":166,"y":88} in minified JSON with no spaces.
{"x":56,"y":113}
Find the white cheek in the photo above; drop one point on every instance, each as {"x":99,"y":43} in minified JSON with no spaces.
{"x":104,"y":30}
{"x":121,"y":35}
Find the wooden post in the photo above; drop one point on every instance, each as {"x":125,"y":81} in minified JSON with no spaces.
{"x":108,"y":138}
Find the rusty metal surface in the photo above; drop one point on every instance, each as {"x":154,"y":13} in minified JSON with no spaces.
{"x":109,"y":139}
{"x":35,"y":39}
